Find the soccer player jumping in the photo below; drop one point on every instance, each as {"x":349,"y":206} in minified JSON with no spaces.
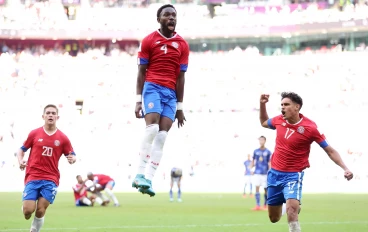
{"x":295,"y":134}
{"x":47,"y":145}
{"x":162,"y":63}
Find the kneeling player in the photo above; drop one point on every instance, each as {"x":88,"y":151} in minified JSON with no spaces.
{"x":80,"y":194}
{"x":176,"y":174}
{"x":106,"y":183}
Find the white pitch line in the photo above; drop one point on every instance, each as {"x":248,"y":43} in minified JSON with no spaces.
{"x":187,"y":226}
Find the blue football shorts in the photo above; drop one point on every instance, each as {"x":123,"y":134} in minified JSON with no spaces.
{"x":111,"y":182}
{"x":282,"y":186}
{"x":40,"y":188}
{"x":159,"y":99}
{"x":80,"y":203}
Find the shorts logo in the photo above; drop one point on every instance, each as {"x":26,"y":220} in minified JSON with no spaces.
{"x":24,"y":194}
{"x":301,"y":130}
{"x":175,"y":45}
{"x":150,"y":105}
{"x":57,"y":143}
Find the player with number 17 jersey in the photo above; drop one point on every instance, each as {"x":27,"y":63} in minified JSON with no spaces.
{"x":293,"y":143}
{"x":46,"y":150}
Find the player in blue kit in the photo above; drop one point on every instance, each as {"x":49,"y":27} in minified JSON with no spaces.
{"x":248,"y":176}
{"x":261,"y":162}
{"x":176,"y":175}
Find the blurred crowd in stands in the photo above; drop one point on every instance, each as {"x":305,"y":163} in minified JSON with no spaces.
{"x":96,"y":94}
{"x":95,"y":87}
{"x":53,"y":15}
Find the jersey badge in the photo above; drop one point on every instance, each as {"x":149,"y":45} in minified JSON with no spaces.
{"x":175,"y":45}
{"x":40,"y":140}
{"x":57,"y":143}
{"x":301,"y":130}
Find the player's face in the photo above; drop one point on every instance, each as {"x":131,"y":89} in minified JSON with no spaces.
{"x":50,"y":116}
{"x":79,"y":179}
{"x":167,"y":19}
{"x":262,"y":142}
{"x":90,"y":177}
{"x":289,"y":109}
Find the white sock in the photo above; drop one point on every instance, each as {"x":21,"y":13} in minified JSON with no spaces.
{"x":283,"y":209}
{"x":100,"y":195}
{"x":37,"y":224}
{"x":156,"y":154}
{"x":87,"y":201}
{"x":146,"y":145}
{"x":111,"y":194}
{"x":99,"y":200}
{"x":294,"y":227}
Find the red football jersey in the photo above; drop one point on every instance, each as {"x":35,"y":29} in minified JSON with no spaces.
{"x":166,"y":58}
{"x":101,"y":179}
{"x":46,"y":150}
{"x":82,"y":193}
{"x":293,"y":143}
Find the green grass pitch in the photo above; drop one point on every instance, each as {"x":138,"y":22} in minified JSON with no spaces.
{"x":213,"y":212}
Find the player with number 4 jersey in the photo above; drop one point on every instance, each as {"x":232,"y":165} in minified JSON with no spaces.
{"x":47,"y":145}
{"x":162,"y":64}
{"x":295,"y":134}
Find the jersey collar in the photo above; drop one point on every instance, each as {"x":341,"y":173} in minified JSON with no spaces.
{"x":158,"y":31}
{"x":49,"y":134}
{"x":301,"y":119}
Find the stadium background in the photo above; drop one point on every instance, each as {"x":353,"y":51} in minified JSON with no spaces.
{"x":81,"y":56}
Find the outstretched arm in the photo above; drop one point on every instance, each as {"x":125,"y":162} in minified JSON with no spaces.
{"x":335,"y":157}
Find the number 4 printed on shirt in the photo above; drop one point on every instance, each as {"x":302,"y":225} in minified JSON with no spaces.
{"x":288,"y":133}
{"x":164,"y":48}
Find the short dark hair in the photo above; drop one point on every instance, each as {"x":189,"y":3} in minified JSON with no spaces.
{"x":52,"y":106}
{"x":77,"y":176}
{"x":293,"y":97}
{"x":262,"y":137}
{"x":163,"y":7}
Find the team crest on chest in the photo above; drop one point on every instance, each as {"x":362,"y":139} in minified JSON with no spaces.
{"x":301,"y":130}
{"x":175,"y":45}
{"x":57,"y":143}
